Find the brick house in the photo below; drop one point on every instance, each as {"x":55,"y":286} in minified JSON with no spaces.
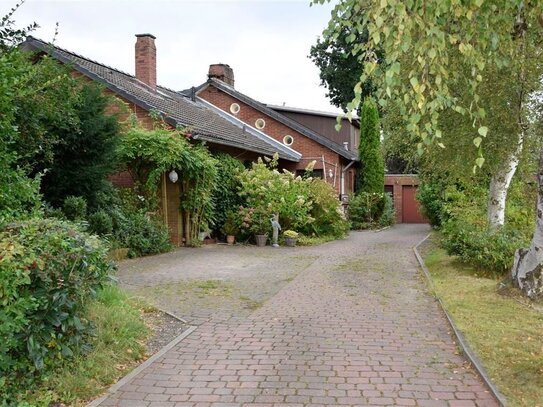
{"x":334,"y":161}
{"x":141,"y":94}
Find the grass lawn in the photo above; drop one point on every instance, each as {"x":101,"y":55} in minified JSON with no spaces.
{"x":504,"y":330}
{"x":118,"y":347}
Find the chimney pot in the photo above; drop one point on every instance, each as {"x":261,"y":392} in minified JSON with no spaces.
{"x":145,"y":59}
{"x":222,"y":72}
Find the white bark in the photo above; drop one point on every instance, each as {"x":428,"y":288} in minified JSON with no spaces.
{"x":527,"y":270}
{"x":499,"y":185}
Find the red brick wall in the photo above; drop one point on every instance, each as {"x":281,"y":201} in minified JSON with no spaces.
{"x":310,"y":150}
{"x":397,"y":182}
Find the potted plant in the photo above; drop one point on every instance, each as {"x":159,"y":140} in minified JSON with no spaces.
{"x":290,"y":237}
{"x":256,"y":220}
{"x":230,"y":228}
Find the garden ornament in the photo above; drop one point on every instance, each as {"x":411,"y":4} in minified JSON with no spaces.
{"x":276,"y":228}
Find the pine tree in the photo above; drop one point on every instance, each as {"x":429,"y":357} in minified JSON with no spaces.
{"x":372,"y":174}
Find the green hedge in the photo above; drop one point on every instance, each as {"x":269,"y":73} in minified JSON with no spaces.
{"x":48,"y":271}
{"x":490,"y":252}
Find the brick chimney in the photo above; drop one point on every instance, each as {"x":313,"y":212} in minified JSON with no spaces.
{"x":222,"y":72}
{"x":146,"y":59}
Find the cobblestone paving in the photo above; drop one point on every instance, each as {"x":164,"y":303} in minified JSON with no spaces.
{"x":356,"y":327}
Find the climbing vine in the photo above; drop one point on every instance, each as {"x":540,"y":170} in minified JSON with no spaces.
{"x":148,"y":154}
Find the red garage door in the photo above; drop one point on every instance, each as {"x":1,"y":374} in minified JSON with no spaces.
{"x":410,"y":206}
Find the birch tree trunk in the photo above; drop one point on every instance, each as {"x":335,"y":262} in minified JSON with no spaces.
{"x":527,"y":272}
{"x":499,"y":185}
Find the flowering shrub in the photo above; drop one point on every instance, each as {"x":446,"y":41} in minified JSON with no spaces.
{"x":307,"y":205}
{"x":328,"y":215}
{"x":49,"y":270}
{"x":267,"y":191}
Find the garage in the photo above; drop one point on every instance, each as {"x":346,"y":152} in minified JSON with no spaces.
{"x":403,"y":188}
{"x":410,"y":206}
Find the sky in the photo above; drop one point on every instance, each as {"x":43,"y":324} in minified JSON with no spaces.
{"x":265,"y":42}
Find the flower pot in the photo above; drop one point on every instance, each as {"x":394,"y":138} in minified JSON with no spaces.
{"x":291,"y":241}
{"x":230,"y":239}
{"x":261,"y":240}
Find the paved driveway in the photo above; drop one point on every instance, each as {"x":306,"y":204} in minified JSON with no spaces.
{"x":348,"y":323}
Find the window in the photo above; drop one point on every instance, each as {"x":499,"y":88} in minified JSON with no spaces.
{"x":313,"y":174}
{"x":260,"y":124}
{"x":288,"y":140}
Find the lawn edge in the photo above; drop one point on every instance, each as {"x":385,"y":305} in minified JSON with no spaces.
{"x":127,"y":378}
{"x":473,"y":359}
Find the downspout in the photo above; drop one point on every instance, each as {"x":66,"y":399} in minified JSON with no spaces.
{"x":343,"y":176}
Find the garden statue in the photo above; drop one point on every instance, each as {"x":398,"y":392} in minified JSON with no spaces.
{"x":276,"y":228}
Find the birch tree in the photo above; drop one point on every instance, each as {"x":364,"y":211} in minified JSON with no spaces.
{"x":418,"y":40}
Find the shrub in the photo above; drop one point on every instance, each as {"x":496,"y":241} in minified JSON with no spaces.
{"x":132,"y":225}
{"x":48,"y":271}
{"x":225,"y":195}
{"x":328,"y":215}
{"x":268,"y":191}
{"x":432,"y":201}
{"x":100,"y":223}
{"x":144,"y":235}
{"x":365,"y":209}
{"x":75,"y":208}
{"x":388,"y":217}
{"x":491,"y":252}
{"x":230,"y":226}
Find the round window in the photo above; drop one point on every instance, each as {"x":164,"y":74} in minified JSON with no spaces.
{"x":260,"y":124}
{"x":234,"y":108}
{"x":288,"y":140}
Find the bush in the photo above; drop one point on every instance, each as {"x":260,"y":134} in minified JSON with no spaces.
{"x":328,"y":215}
{"x":432,"y":201}
{"x":365,"y":209}
{"x":225,"y":195}
{"x":491,"y":252}
{"x":268,"y":191}
{"x":132,"y":225}
{"x":144,"y":235}
{"x":388,"y":217}
{"x":48,"y":271}
{"x":75,"y":208}
{"x":100,"y":223}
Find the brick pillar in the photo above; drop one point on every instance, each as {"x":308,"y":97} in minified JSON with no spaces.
{"x":398,"y":201}
{"x":146,"y":59}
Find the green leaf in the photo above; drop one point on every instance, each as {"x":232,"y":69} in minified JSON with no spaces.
{"x":480,"y":161}
{"x":477,"y":141}
{"x":483,"y":130}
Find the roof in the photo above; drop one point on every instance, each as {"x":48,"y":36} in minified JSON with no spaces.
{"x":205,"y":123}
{"x":339,"y":149}
{"x":311,"y":112}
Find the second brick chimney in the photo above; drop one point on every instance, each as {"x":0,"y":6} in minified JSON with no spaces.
{"x":222,"y":72}
{"x":146,"y":59}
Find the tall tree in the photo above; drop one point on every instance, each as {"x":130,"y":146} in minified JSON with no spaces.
{"x":371,"y":157}
{"x":339,"y":68}
{"x":18,"y":193}
{"x":419,"y":39}
{"x":85,"y":154}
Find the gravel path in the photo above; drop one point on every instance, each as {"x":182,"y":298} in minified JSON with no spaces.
{"x":355,"y":326}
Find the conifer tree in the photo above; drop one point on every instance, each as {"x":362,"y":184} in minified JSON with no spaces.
{"x":372,"y":175}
